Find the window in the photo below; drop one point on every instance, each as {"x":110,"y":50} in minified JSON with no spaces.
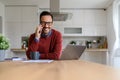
{"x":116,"y":24}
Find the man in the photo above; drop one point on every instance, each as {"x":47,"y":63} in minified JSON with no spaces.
{"x":45,"y":40}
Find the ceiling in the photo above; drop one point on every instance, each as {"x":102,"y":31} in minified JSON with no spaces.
{"x":70,"y":3}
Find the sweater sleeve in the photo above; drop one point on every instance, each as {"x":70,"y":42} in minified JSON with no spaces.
{"x":57,"y":49}
{"x":32,"y":45}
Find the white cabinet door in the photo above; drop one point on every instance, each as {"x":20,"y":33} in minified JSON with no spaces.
{"x":29,"y":20}
{"x":95,"y":23}
{"x":21,"y":14}
{"x":89,"y":17}
{"x":94,"y":56}
{"x":13,"y":14}
{"x":20,"y":21}
{"x":29,"y":14}
{"x":13,"y":31}
{"x":78,"y":18}
{"x":28,"y":28}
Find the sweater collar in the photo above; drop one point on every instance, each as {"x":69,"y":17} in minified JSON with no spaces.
{"x":44,"y":35}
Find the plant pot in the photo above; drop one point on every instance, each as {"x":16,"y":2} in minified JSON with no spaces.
{"x":2,"y":55}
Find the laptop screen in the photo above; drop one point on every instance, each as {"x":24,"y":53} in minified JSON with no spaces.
{"x":72,"y":52}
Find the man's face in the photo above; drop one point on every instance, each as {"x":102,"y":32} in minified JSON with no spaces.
{"x":46,"y":22}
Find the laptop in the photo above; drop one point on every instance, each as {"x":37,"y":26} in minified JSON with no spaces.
{"x":72,"y":52}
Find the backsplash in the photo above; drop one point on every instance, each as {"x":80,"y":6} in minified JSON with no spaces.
{"x":89,"y":42}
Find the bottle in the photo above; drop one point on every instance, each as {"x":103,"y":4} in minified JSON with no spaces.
{"x":105,"y":45}
{"x":88,"y":44}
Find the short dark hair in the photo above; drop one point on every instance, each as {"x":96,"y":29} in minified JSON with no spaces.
{"x":44,"y":13}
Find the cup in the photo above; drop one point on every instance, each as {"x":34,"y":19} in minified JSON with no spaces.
{"x":35,"y":55}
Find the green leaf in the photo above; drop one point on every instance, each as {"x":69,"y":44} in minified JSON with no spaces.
{"x":4,"y":42}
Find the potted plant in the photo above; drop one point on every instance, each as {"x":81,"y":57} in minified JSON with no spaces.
{"x":4,"y":45}
{"x":73,"y":42}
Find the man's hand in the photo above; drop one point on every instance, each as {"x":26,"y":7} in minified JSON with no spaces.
{"x":38,"y":31}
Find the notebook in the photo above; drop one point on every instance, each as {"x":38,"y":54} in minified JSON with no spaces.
{"x":72,"y":52}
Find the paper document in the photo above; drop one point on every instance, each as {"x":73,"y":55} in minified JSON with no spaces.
{"x":18,"y":59}
{"x":39,"y":61}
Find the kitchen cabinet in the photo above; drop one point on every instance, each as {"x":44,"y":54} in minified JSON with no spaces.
{"x":13,"y":14}
{"x":20,"y":21}
{"x":29,"y":14}
{"x":95,"y":55}
{"x":92,"y":55}
{"x":93,"y":22}
{"x":22,"y":13}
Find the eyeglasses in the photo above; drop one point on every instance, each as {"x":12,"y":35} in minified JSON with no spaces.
{"x":44,"y":23}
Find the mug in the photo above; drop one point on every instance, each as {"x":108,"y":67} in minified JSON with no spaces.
{"x":35,"y":55}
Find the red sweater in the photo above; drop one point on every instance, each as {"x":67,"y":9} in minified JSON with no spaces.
{"x":49,"y":47}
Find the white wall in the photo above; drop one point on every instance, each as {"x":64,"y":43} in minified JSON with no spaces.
{"x":2,"y":18}
{"x":110,"y":32}
{"x":110,"y":29}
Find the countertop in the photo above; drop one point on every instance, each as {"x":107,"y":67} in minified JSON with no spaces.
{"x":19,"y":50}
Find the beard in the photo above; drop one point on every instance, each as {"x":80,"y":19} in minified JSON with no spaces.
{"x":46,"y":31}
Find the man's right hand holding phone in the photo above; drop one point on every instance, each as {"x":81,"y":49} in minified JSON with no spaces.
{"x":38,"y":31}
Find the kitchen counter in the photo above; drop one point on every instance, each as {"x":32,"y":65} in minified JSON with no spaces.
{"x":18,"y":50}
{"x":96,"y":49}
{"x":93,"y":55}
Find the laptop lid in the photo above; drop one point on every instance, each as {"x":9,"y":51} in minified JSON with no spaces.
{"x":72,"y":52}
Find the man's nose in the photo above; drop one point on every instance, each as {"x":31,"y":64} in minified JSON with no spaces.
{"x":46,"y":25}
